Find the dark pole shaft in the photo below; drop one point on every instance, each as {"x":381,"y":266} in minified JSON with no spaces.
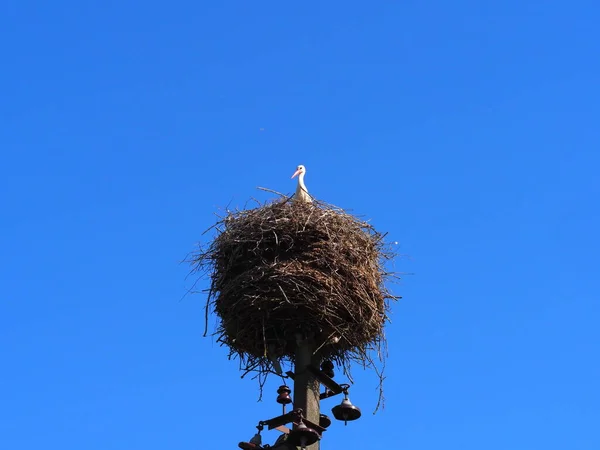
{"x":306,"y":387}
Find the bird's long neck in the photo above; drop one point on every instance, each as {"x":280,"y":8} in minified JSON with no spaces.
{"x":301,"y":185}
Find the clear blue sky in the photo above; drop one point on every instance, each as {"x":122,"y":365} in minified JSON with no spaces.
{"x":467,"y":129}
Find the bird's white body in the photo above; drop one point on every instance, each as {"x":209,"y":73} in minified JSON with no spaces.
{"x":302,"y":194}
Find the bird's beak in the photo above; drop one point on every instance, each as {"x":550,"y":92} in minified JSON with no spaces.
{"x":297,"y":172}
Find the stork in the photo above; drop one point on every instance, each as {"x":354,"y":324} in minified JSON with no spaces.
{"x":302,"y":194}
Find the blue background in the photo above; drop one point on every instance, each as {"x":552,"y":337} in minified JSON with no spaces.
{"x":468,"y":130}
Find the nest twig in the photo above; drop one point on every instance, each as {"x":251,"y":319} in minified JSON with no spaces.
{"x":285,"y":268}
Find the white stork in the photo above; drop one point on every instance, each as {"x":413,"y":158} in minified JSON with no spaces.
{"x":302,"y":194}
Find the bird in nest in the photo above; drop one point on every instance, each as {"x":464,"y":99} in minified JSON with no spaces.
{"x":302,"y":194}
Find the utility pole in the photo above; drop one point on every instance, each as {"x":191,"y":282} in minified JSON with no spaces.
{"x":308,"y":424}
{"x":306,"y":386}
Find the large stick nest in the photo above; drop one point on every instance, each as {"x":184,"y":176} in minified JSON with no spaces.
{"x":285,"y":270}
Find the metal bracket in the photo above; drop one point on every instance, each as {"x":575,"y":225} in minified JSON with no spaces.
{"x":325,"y":381}
{"x":283,"y":419}
{"x":294,"y":417}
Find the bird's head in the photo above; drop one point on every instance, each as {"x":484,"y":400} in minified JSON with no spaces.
{"x":300,"y":170}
